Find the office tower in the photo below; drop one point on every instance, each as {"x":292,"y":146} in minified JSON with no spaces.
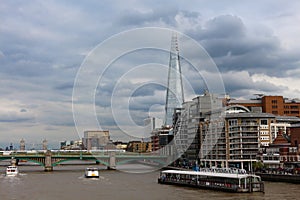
{"x":174,"y":96}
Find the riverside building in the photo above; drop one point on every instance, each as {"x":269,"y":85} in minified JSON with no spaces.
{"x":186,"y":124}
{"x":277,"y":105}
{"x":235,"y":140}
{"x":233,"y":136}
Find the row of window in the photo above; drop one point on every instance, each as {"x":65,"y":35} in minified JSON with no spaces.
{"x":264,"y":138}
{"x":264,"y":132}
{"x":291,"y":107}
{"x":274,"y":101}
{"x":234,"y":122}
{"x":291,"y":112}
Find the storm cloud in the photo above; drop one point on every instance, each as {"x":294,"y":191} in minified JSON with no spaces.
{"x":43,"y":45}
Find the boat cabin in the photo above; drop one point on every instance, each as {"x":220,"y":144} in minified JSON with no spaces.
{"x":234,"y":182}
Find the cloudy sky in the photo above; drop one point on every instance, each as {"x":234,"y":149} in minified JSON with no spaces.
{"x":46,"y":47}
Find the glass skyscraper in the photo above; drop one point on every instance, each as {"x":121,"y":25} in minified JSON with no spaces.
{"x":174,"y":96}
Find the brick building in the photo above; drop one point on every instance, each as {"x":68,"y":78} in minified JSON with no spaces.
{"x":277,"y":105}
{"x":295,"y":135}
{"x":284,"y":152}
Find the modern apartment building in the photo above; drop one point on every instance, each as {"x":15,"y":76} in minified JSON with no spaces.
{"x":186,"y":128}
{"x":235,"y":140}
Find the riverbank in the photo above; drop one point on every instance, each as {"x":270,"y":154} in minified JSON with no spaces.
{"x":288,"y":178}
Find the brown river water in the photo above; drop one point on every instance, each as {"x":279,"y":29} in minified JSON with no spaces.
{"x":68,"y":182}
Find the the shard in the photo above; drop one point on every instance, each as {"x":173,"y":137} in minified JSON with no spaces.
{"x":174,"y":96}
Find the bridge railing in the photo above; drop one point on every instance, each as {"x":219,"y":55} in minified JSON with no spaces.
{"x":75,"y":152}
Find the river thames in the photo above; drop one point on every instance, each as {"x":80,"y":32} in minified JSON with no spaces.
{"x":68,"y":182}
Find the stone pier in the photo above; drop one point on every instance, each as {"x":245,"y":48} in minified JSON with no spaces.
{"x":112,"y":160}
{"x":13,"y":162}
{"x":48,"y":161}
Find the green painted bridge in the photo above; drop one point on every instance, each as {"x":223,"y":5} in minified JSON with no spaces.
{"x":49,"y":159}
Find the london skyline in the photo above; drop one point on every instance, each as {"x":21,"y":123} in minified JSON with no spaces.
{"x":43,"y":44}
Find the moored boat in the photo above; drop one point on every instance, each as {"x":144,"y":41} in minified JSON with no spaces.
{"x":12,"y":171}
{"x":216,"y":179}
{"x":91,"y":172}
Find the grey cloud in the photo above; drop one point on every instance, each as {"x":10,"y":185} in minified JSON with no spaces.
{"x":44,"y":43}
{"x":134,"y":17}
{"x":235,"y":46}
{"x":147,"y":90}
{"x":224,"y":26}
{"x":144,"y":105}
{"x":16,"y":117}
{"x":164,"y":15}
{"x":65,"y":86}
{"x":240,"y":84}
{"x":229,"y":47}
{"x":232,"y":43}
{"x":1,"y":54}
{"x":23,"y":110}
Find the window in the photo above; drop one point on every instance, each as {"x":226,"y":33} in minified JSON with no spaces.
{"x":274,"y":101}
{"x":264,"y":122}
{"x":232,"y":122}
{"x":295,"y":112}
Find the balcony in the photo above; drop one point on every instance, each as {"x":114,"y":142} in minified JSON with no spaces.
{"x":249,"y":124}
{"x":235,"y":141}
{"x":249,"y":141}
{"x":249,"y":130}
{"x":250,"y":146}
{"x":264,"y":127}
{"x":245,"y":135}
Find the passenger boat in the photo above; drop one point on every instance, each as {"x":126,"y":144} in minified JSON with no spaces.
{"x":91,"y":172}
{"x":216,"y":179}
{"x":12,"y":171}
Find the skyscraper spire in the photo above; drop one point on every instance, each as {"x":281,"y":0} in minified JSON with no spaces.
{"x":174,"y":97}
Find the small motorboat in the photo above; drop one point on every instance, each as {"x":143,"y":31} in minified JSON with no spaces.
{"x":91,"y":172}
{"x":12,"y":171}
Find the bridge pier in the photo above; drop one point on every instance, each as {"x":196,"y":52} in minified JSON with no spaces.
{"x":13,"y":162}
{"x":112,"y":161}
{"x":48,"y":162}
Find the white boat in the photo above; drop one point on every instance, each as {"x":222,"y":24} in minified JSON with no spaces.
{"x":217,"y":179}
{"x":91,"y":172}
{"x":12,"y":171}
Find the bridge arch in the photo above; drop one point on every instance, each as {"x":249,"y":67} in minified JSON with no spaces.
{"x":125,"y":161}
{"x":39,"y":162}
{"x":59,"y":161}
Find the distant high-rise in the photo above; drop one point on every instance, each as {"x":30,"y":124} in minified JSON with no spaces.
{"x":22,"y":145}
{"x":174,"y":97}
{"x":45,"y":144}
{"x":94,"y":140}
{"x":152,"y":123}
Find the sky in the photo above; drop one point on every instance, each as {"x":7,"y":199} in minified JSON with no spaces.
{"x":64,"y":62}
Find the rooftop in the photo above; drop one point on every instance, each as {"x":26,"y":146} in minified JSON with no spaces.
{"x":216,"y":174}
{"x":249,"y":115}
{"x":251,"y":101}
